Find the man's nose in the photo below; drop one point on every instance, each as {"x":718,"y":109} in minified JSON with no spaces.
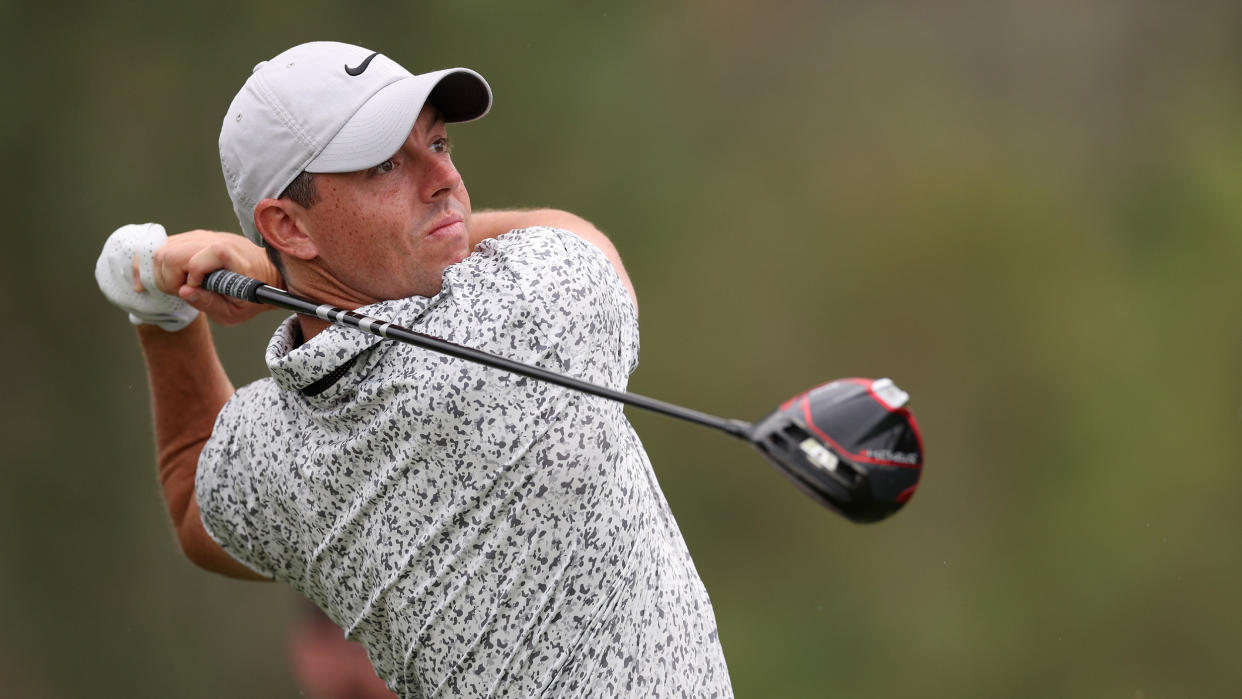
{"x":441,"y":178}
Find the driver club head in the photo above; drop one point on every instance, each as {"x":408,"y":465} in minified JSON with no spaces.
{"x":851,"y":444}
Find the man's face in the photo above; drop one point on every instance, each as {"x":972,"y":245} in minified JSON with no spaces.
{"x":390,"y":231}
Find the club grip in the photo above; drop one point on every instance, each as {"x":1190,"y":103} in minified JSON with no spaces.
{"x":232,"y":284}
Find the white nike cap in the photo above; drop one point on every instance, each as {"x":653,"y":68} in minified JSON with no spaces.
{"x":329,"y":107}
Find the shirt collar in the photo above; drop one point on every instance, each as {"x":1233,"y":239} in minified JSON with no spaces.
{"x":295,"y":366}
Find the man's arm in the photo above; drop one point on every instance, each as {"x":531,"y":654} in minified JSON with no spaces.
{"x":188,"y":389}
{"x":188,"y":384}
{"x":489,"y":224}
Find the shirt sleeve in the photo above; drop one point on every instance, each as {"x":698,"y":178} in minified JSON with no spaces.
{"x":232,"y":497}
{"x":586,"y":312}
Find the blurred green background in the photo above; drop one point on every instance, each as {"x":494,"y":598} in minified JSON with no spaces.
{"x":1026,"y":213}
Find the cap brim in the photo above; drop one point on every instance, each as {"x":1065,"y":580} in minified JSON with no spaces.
{"x":461,"y":95}
{"x":381,"y":125}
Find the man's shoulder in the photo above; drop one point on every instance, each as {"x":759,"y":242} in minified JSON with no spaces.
{"x":245,"y":409}
{"x":538,"y":240}
{"x":543,"y":247}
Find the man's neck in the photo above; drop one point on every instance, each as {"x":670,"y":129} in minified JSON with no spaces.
{"x":310,"y":327}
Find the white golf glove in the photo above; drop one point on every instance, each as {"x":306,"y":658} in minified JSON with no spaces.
{"x":114,"y":273}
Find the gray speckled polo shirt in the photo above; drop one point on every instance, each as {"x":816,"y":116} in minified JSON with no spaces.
{"x":480,"y":533}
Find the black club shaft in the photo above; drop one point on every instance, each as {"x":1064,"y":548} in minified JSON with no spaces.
{"x":247,"y":289}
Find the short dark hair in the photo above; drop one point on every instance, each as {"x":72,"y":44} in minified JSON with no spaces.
{"x":301,"y":191}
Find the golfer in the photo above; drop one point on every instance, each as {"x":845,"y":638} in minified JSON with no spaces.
{"x":479,"y":533}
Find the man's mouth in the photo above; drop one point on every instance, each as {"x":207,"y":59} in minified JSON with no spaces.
{"x":447,"y":227}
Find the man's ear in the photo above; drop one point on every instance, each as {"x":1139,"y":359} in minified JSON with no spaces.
{"x":281,"y":225}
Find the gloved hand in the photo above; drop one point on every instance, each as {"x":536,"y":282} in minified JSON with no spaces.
{"x":115,"y":275}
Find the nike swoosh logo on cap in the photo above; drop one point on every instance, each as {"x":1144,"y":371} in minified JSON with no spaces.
{"x":361,"y":67}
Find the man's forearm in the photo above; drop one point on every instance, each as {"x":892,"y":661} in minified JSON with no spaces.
{"x":188,"y":388}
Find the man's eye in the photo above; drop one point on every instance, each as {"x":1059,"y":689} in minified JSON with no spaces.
{"x":386,"y":166}
{"x":441,"y":145}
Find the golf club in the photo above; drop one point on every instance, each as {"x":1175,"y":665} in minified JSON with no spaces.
{"x":850,"y":444}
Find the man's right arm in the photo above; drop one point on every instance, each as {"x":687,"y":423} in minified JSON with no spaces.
{"x":188,"y":389}
{"x":188,"y":384}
